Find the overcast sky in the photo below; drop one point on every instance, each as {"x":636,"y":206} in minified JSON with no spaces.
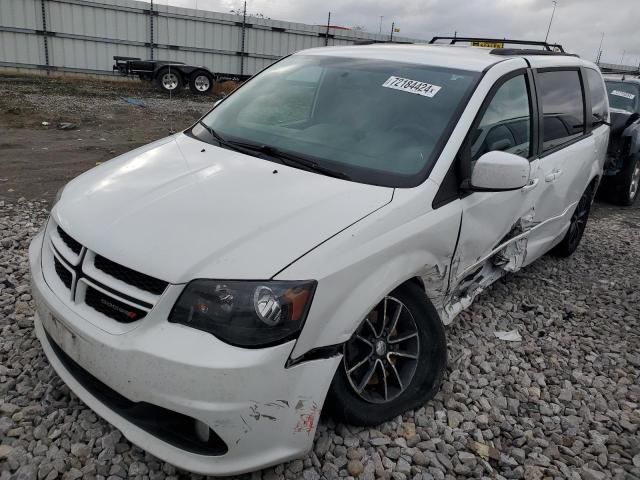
{"x":577,"y":25}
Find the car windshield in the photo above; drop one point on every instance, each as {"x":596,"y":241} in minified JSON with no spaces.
{"x":623,"y":96}
{"x":369,"y":120}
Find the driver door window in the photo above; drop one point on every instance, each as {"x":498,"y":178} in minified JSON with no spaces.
{"x":506,"y":123}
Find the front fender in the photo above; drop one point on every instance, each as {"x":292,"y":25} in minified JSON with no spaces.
{"x":358,"y":267}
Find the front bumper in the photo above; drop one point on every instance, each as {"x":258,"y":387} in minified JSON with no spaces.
{"x":263,"y":412}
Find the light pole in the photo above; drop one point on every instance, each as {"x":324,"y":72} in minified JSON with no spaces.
{"x":600,"y":50}
{"x":551,"y":20}
{"x":380,"y":29}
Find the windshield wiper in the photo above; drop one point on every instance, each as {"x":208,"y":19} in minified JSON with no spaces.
{"x":220,"y":139}
{"x":285,"y":158}
{"x":291,"y":160}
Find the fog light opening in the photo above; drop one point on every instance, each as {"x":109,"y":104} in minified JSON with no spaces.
{"x":202,"y":431}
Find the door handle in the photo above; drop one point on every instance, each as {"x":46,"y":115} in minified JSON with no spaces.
{"x":531,"y":185}
{"x":553,"y":176}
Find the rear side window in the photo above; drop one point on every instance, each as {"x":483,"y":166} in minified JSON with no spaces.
{"x":562,"y":107}
{"x":597,"y":94}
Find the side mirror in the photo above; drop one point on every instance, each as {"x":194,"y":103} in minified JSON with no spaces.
{"x":497,"y":171}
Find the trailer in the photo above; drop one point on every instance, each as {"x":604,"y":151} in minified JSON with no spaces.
{"x":171,"y":76}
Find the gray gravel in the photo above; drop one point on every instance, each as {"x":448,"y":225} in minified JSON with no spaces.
{"x":562,"y":403}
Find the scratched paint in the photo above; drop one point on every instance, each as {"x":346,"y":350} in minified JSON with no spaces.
{"x":307,"y":415}
{"x":510,"y":258}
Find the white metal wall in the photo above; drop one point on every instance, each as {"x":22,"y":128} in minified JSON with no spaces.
{"x":84,"y":35}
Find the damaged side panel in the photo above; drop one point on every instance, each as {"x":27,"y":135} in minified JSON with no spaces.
{"x":436,"y":283}
{"x":508,"y":255}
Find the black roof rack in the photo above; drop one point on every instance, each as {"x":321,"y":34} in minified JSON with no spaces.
{"x":374,"y":42}
{"x":553,"y":48}
{"x":528,"y":51}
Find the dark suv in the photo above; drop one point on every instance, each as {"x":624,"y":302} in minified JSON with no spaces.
{"x":622,"y":169}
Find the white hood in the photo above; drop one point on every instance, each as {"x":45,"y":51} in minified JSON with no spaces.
{"x":179,"y":209}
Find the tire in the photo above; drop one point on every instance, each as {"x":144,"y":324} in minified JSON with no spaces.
{"x":577,"y":226}
{"x":423,"y":335}
{"x":627,"y":182}
{"x":169,"y":80}
{"x":200,"y":82}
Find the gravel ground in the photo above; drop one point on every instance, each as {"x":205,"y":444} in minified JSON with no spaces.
{"x":562,"y":403}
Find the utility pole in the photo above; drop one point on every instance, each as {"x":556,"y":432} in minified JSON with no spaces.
{"x":622,"y":57}
{"x":44,"y":36}
{"x":151,"y":29}
{"x":380,"y":30}
{"x":393,"y":25}
{"x":326,"y":36}
{"x":600,"y":50}
{"x":244,"y":34}
{"x":551,"y":20}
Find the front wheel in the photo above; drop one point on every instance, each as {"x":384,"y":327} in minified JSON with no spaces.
{"x":577,"y":226}
{"x":395,"y":361}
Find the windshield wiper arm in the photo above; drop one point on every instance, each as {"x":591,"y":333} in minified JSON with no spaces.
{"x":284,"y":157}
{"x":221,"y":140}
{"x":293,"y":160}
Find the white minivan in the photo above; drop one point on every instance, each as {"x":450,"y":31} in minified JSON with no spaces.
{"x":305,"y":243}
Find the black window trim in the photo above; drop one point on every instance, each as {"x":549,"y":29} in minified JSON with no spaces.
{"x":457,"y":168}
{"x":586,"y":103}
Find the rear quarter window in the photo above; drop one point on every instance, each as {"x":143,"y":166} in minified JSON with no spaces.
{"x":598,"y":96}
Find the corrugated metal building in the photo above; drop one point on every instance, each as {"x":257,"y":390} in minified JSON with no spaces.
{"x":84,"y":35}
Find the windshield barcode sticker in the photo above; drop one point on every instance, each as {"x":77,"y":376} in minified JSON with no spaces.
{"x":630,"y":96}
{"x":411,"y":86}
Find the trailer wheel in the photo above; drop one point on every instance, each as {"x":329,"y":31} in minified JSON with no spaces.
{"x":201,"y":82}
{"x":169,"y":80}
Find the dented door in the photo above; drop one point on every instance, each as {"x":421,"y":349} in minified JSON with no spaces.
{"x":495,"y":231}
{"x":496,"y":225}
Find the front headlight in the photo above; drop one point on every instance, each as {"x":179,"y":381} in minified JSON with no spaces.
{"x":247,"y":314}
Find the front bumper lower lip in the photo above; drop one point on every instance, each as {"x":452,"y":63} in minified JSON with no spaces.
{"x":171,"y":427}
{"x":263,"y":412}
